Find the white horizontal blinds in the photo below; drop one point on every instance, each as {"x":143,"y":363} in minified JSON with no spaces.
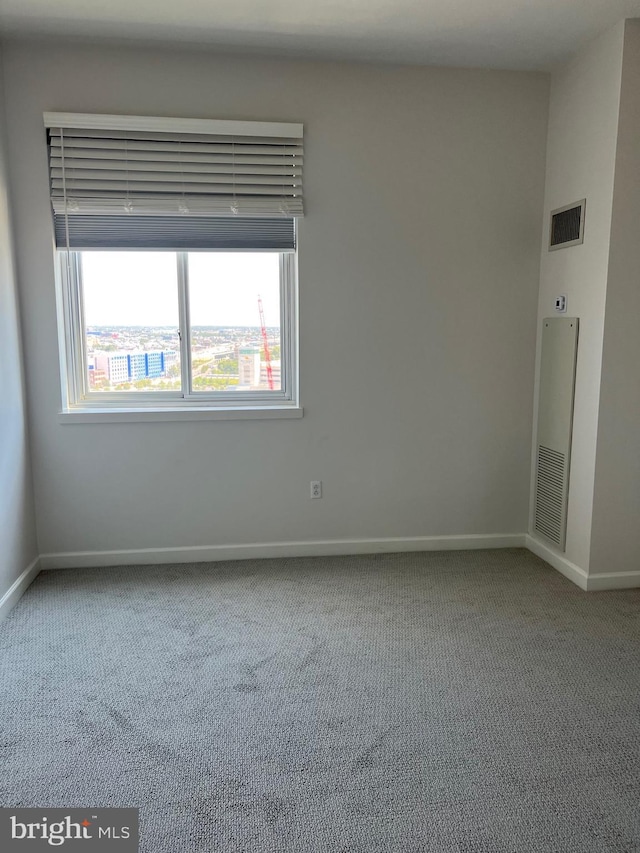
{"x":162,"y":173}
{"x":117,"y":180}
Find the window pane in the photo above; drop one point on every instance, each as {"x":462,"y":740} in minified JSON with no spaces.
{"x":230,"y":348}
{"x":131,"y":321}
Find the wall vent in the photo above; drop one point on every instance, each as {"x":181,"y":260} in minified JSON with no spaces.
{"x":567,"y":226}
{"x":555,"y":422}
{"x":550,"y":514}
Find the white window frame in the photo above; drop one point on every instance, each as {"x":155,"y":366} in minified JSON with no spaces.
{"x":79,"y":404}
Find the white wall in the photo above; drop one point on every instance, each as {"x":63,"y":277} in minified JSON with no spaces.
{"x":17,"y":528}
{"x":581,"y":155}
{"x":419,"y":267}
{"x":615,"y":542}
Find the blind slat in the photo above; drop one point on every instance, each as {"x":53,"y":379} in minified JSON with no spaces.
{"x":173,"y":138}
{"x":113,"y":168}
{"x":223,"y":205}
{"x":118,"y":149}
{"x":191,"y":183}
{"x":99,"y":158}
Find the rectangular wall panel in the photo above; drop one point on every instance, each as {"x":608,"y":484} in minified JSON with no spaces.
{"x":555,"y":420}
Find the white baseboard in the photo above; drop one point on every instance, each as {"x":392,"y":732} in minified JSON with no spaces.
{"x":316,"y":548}
{"x":266,"y":550}
{"x":18,"y":588}
{"x":557,"y":561}
{"x":587,"y":582}
{"x":615,"y":580}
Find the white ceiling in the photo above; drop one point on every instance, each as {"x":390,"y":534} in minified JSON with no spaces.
{"x":526,"y":34}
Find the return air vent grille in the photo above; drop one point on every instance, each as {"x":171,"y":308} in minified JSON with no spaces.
{"x":550,"y":494}
{"x":555,"y":422}
{"x":567,"y":226}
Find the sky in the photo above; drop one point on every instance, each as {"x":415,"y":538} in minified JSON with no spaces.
{"x":141,"y":289}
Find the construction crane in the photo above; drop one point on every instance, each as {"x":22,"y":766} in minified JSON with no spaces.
{"x":265,"y":344}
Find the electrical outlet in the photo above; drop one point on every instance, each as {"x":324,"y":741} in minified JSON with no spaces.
{"x":316,"y":488}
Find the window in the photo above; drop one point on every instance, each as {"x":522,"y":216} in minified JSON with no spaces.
{"x":149,"y":329}
{"x":177,"y":253}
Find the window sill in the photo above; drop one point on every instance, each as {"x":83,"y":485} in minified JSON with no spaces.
{"x":117,"y":416}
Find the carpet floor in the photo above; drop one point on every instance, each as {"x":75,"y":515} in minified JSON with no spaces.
{"x":458,"y":702}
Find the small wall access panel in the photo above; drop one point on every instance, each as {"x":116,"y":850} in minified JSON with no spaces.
{"x":555,"y":420}
{"x":567,"y":226}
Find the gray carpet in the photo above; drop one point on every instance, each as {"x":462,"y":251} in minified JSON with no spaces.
{"x":466,"y":702}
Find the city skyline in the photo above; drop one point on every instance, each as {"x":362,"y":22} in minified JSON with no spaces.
{"x":137,"y":358}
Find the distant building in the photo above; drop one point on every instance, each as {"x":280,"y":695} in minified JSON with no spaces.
{"x":155,"y":364}
{"x":119,"y":367}
{"x":276,"y":372}
{"x":248,"y":366}
{"x":114,"y":365}
{"x":137,"y":365}
{"x":94,"y":374}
